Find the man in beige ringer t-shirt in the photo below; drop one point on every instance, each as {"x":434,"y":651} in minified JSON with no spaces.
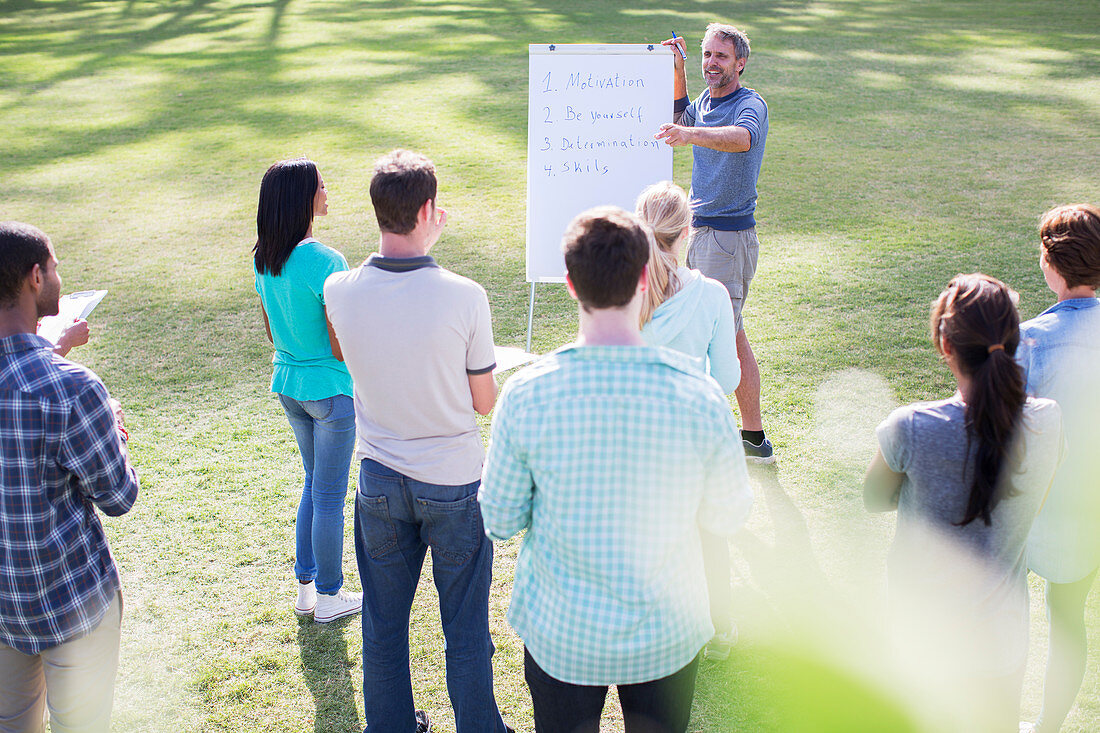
{"x":418,"y":341}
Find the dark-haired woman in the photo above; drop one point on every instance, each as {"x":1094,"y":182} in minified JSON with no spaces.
{"x":313,"y":386}
{"x":967,"y":475}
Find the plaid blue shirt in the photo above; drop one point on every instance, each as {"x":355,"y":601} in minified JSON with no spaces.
{"x":60,"y":456}
{"x":611,"y":457}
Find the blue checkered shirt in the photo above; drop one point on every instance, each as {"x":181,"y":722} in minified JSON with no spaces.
{"x":612,"y":457}
{"x":60,"y":457}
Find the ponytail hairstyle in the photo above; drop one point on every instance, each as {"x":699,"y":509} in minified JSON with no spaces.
{"x":285,"y":212}
{"x":976,"y":315}
{"x":664,"y":207}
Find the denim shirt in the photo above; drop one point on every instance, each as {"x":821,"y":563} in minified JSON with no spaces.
{"x":1060,"y":354}
{"x":1069,"y":324}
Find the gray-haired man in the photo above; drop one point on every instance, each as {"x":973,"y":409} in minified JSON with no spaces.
{"x":727,"y":126}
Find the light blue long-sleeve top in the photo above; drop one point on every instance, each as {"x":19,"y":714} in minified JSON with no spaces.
{"x":698,"y":321}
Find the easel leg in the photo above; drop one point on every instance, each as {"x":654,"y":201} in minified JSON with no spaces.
{"x":530,"y":316}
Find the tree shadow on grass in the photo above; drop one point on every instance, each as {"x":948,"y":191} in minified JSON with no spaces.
{"x":327,"y":670}
{"x":874,"y":54}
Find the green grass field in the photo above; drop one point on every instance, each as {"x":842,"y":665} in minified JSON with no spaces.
{"x":909,"y":141}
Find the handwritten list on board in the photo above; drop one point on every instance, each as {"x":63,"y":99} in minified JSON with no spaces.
{"x":592,"y":114}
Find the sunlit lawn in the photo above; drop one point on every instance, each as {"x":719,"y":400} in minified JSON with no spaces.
{"x":909,"y":141}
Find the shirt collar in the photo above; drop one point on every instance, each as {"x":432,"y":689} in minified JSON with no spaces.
{"x":23,"y":342}
{"x":608,"y":353}
{"x":716,"y":101}
{"x":400,"y":264}
{"x":635,"y":354}
{"x":1074,"y":304}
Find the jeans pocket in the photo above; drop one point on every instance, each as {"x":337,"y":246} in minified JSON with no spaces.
{"x":341,"y":407}
{"x":376,"y":530}
{"x":318,"y":409}
{"x":453,"y":528}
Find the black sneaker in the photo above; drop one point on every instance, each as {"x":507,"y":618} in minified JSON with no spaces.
{"x":760,"y":454}
{"x":423,"y":725}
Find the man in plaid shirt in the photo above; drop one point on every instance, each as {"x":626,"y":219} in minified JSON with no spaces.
{"x":611,"y":453}
{"x":62,"y":454}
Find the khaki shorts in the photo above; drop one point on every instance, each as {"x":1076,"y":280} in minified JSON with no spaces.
{"x":728,"y":257}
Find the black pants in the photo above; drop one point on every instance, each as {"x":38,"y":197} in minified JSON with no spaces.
{"x":658,"y":706}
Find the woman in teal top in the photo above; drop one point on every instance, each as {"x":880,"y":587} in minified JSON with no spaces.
{"x":313,"y":386}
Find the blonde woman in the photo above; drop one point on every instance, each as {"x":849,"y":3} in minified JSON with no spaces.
{"x":692,"y":314}
{"x":683,"y":309}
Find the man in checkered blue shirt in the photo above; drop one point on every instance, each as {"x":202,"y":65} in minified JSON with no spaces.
{"x":610,"y":454}
{"x":62,"y":454}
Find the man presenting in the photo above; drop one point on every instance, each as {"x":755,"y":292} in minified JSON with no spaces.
{"x":727,"y":126}
{"x":62,"y":454}
{"x":611,"y":453}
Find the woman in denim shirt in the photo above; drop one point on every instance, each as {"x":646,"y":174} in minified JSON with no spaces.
{"x":1060,"y":354}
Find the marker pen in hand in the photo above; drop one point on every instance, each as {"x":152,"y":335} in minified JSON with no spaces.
{"x":678,"y":48}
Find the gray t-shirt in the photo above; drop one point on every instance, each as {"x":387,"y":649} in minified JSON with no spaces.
{"x":411,"y":333}
{"x":963,"y":589}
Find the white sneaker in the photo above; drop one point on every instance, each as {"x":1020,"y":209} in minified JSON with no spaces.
{"x":338,"y":605}
{"x":307,"y":598}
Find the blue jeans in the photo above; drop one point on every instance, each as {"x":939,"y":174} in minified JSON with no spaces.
{"x":396,"y":519}
{"x":325,"y":431}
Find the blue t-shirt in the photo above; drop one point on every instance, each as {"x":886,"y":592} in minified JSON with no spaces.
{"x":305,"y":368}
{"x":723,"y":185}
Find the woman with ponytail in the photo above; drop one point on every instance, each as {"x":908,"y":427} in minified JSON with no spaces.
{"x":313,"y":386}
{"x":692,"y":314}
{"x":684,"y":310}
{"x":967,"y":476}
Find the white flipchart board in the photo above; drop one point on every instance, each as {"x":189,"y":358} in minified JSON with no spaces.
{"x":592,"y":114}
